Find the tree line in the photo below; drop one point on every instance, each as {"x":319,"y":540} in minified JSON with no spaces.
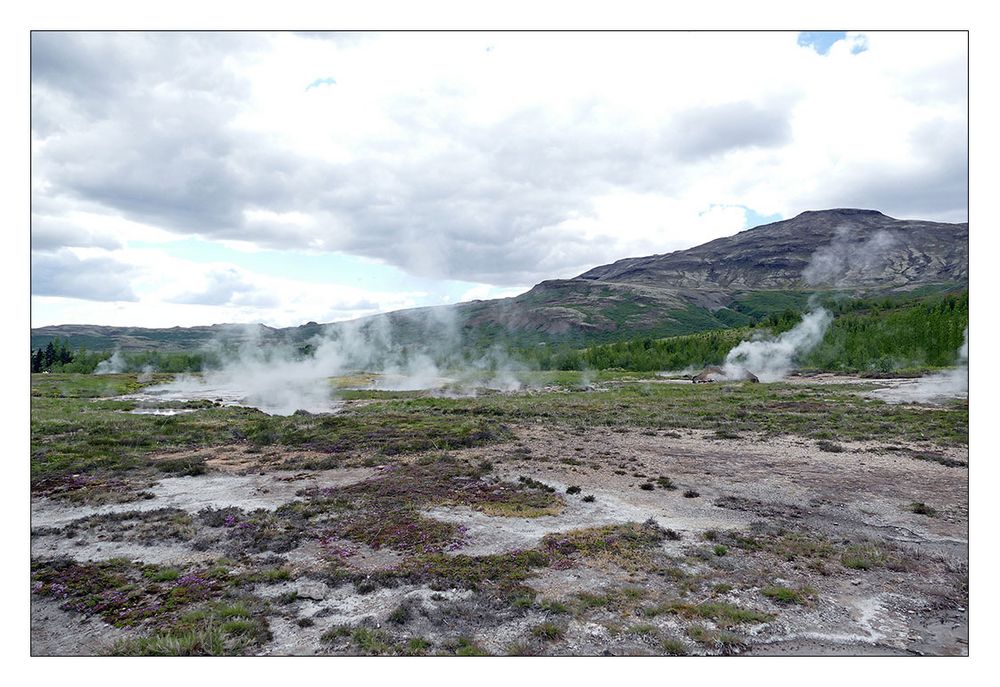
{"x":57,"y":356}
{"x":878,"y":334}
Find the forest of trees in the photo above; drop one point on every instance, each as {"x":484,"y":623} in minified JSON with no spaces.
{"x":57,"y":356}
{"x":880,"y":335}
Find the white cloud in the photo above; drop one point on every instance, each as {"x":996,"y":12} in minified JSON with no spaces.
{"x":163,"y":290}
{"x":541,"y":157}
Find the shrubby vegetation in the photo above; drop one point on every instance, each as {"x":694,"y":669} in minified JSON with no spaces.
{"x":881,"y":335}
{"x":886,"y":335}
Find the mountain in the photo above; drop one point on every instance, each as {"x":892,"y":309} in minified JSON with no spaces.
{"x":723,"y":283}
{"x":775,"y":256}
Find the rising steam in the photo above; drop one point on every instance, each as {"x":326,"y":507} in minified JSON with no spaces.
{"x":953,"y":383}
{"x":281,"y":379}
{"x":848,"y":258}
{"x":771,"y":359}
{"x":115,"y":364}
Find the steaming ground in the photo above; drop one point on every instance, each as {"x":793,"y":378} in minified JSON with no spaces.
{"x":313,"y":395}
{"x":702,"y":537}
{"x":269,"y":394}
{"x":283,"y":379}
{"x":771,"y":359}
{"x":936,"y":388}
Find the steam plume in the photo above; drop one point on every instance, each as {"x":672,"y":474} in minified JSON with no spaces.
{"x":847,"y":258}
{"x":115,"y":364}
{"x":772,"y":359}
{"x":421,"y":350}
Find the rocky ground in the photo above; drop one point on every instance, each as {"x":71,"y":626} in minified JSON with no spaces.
{"x":566,"y":539}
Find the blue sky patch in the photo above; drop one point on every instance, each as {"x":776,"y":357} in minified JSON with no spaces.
{"x":821,"y":41}
{"x":755,"y":219}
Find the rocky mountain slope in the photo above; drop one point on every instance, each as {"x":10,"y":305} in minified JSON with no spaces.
{"x":863,"y":248}
{"x":722,"y":283}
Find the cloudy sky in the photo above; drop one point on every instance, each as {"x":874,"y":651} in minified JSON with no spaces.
{"x":186,"y":179}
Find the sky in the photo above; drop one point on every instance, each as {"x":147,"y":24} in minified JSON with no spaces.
{"x":184,"y":179}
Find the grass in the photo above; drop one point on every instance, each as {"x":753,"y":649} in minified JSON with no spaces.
{"x":122,"y":593}
{"x":722,"y":613}
{"x":417,"y":646}
{"x":921,"y":508}
{"x":372,"y":642}
{"x":771,"y":409}
{"x":77,"y":429}
{"x":383,"y":511}
{"x":864,"y":556}
{"x":548,"y":632}
{"x":57,"y":385}
{"x":73,"y":433}
{"x":465,"y":646}
{"x":182,"y":467}
{"x":401,"y":614}
{"x":792,"y":546}
{"x":165,"y":575}
{"x":553,"y":606}
{"x":643,"y":630}
{"x":216,"y":629}
{"x":673,"y":647}
{"x":503,"y":572}
{"x":626,"y":546}
{"x":621,"y":599}
{"x":665,"y":483}
{"x":336,"y":632}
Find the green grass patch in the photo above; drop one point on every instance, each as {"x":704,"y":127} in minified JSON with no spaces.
{"x":673,"y":647}
{"x":504,"y":572}
{"x":548,"y":632}
{"x":216,"y":629}
{"x":372,"y":642}
{"x":864,"y":556}
{"x":724,"y":614}
{"x":626,"y":546}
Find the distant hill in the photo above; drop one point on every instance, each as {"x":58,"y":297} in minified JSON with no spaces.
{"x":726,"y":282}
{"x":96,"y":337}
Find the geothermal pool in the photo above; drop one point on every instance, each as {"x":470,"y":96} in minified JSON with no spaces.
{"x":274,"y":398}
{"x":934,"y":389}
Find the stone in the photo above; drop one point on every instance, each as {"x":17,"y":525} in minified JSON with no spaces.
{"x":317,"y":591}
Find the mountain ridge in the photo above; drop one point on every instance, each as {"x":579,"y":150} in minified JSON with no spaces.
{"x":716,"y":284}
